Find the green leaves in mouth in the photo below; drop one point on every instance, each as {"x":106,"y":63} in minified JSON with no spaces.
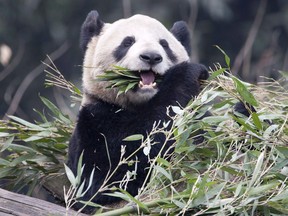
{"x":122,"y":78}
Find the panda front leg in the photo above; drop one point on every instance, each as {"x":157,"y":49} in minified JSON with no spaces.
{"x":89,"y":138}
{"x":99,"y":134}
{"x":180,"y":84}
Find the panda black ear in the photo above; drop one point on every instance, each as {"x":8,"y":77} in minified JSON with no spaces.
{"x":92,"y":26}
{"x":181,"y":32}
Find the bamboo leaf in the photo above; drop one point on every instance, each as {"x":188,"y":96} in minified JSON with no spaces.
{"x":267,"y":133}
{"x":262,"y":189}
{"x":257,"y":169}
{"x":134,"y":137}
{"x":141,"y":205}
{"x":80,"y":190}
{"x":70,"y":176}
{"x":217,"y":73}
{"x":27,"y":124}
{"x":179,"y":204}
{"x":212,"y":120}
{"x":283,"y":150}
{"x":130,"y":86}
{"x":164,"y":172}
{"x":21,"y":159}
{"x":80,"y":168}
{"x":7,"y":143}
{"x":7,"y":171}
{"x":163,"y":161}
{"x":177,"y":110}
{"x":4,"y":162}
{"x":121,"y":78}
{"x":55,"y":110}
{"x":50,"y":105}
{"x":2,"y":134}
{"x":231,"y":170}
{"x":90,"y":182}
{"x":244,"y":92}
{"x":282,"y":208}
{"x":21,"y":148}
{"x":38,"y":136}
{"x":227,"y":59}
{"x":246,"y":126}
{"x":283,"y":195}
{"x":256,"y":120}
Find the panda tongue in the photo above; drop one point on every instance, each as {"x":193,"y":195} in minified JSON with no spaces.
{"x":147,"y":77}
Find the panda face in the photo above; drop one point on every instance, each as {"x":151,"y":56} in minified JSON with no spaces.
{"x":140,"y":44}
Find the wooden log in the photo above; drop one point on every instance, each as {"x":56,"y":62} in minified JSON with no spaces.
{"x":13,"y":204}
{"x":54,"y":184}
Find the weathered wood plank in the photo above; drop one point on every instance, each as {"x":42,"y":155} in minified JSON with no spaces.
{"x":13,"y":204}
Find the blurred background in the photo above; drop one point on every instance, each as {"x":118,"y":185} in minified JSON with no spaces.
{"x":253,"y":33}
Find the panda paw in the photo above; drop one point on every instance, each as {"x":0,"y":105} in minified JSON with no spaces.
{"x":186,"y":73}
{"x":181,"y":83}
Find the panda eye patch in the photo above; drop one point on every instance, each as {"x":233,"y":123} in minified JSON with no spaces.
{"x":164,"y":43}
{"x":123,"y":48}
{"x":168,"y":51}
{"x":128,"y":41}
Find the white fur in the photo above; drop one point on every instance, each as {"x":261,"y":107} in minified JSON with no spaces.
{"x":99,"y":56}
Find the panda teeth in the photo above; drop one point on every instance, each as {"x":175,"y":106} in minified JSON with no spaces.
{"x":141,"y":85}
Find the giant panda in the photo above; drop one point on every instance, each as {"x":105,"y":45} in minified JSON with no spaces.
{"x":143,"y":45}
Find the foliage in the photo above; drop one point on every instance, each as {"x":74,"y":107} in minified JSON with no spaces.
{"x":55,"y":78}
{"x":76,"y":189}
{"x":32,"y":151}
{"x":239,"y":168}
{"x":120,"y":78}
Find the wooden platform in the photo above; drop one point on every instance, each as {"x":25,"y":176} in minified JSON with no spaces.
{"x":13,"y":204}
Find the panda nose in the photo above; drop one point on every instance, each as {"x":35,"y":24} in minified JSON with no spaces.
{"x":151,"y":58}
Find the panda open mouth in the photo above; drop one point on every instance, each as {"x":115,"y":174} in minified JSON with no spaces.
{"x":148,"y":79}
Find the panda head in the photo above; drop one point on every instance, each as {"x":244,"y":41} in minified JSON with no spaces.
{"x":139,"y":43}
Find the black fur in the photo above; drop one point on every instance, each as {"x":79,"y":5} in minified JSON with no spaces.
{"x":241,"y":108}
{"x":181,"y":32}
{"x":168,"y":51}
{"x":123,"y":48}
{"x":96,"y":121}
{"x":92,"y":26}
